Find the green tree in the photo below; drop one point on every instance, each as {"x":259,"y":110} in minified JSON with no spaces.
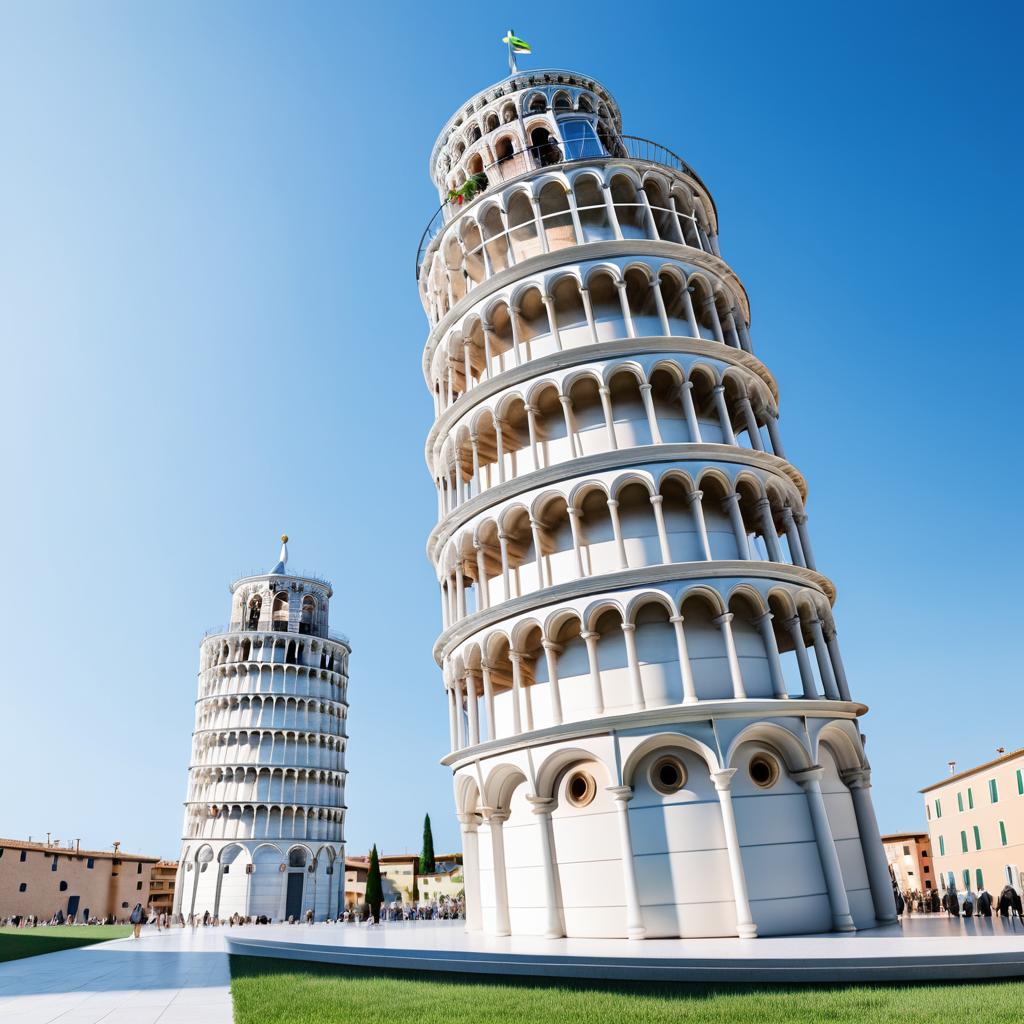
{"x":374,"y":889}
{"x":427,"y":864}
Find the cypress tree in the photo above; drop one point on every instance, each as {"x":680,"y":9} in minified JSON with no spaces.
{"x":427,"y":865}
{"x":374,"y":890}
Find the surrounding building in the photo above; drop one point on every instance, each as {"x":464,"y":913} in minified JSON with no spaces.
{"x":39,"y":879}
{"x":401,"y":880}
{"x":651,"y":728}
{"x":161,"y":886}
{"x":976,"y":825}
{"x":265,"y":811}
{"x":447,"y":882}
{"x":910,"y":858}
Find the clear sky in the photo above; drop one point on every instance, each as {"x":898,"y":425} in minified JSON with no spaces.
{"x":211,"y":335}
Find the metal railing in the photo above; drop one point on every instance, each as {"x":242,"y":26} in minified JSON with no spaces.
{"x":631,"y":147}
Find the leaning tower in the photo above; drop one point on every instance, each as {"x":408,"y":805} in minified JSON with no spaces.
{"x":652,"y":733}
{"x":265,"y":810}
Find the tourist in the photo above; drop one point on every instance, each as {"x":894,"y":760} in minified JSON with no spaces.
{"x":137,"y":919}
{"x":984,"y":903}
{"x":968,"y":904}
{"x":309,"y":917}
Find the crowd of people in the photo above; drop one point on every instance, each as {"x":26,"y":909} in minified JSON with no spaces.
{"x":968,"y":903}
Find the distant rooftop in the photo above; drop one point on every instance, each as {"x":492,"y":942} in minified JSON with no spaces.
{"x":64,"y":850}
{"x":1002,"y":759}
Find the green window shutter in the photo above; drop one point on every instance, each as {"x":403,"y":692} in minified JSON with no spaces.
{"x":977,"y":838}
{"x":938,"y":808}
{"x":1002,"y":832}
{"x":993,"y":791}
{"x":967,"y":878}
{"x":970,"y":798}
{"x":979,"y":878}
{"x":942,"y":847}
{"x":963,"y":842}
{"x":960,"y":802}
{"x":1020,"y":782}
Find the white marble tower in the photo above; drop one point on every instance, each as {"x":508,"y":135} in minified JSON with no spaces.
{"x":265,"y":810}
{"x":652,"y":733}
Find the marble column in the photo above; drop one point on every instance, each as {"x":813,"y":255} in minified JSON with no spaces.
{"x":634,"y":915}
{"x":542,"y":807}
{"x":859,"y":782}
{"x":745,"y":927}
{"x":809,"y":780}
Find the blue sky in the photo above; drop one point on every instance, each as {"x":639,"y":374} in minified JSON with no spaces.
{"x":211,"y":334}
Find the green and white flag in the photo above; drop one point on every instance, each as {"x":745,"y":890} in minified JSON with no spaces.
{"x":515,"y":46}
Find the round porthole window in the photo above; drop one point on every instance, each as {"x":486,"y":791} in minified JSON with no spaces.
{"x":580,"y":789}
{"x":764,"y":770}
{"x":668,"y":774}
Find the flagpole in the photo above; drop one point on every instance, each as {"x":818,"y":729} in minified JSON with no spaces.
{"x":512,"y":68}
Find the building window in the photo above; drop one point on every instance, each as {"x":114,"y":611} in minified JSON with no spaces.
{"x":906,"y":851}
{"x":139,"y":870}
{"x":938,"y":808}
{"x":53,"y":865}
{"x":970,"y":798}
{"x":668,"y":774}
{"x":942,"y":846}
{"x":63,"y":886}
{"x":138,"y":885}
{"x":1020,"y":782}
{"x":979,"y":878}
{"x":967,"y":878}
{"x":977,"y":838}
{"x":23,"y":854}
{"x":1002,"y":832}
{"x":581,"y":789}
{"x":124,"y":906}
{"x":960,"y":802}
{"x":90,"y":863}
{"x":927,"y":810}
{"x":926,"y":870}
{"x":24,"y":886}
{"x":764,"y":771}
{"x":993,"y":791}
{"x":963,"y":842}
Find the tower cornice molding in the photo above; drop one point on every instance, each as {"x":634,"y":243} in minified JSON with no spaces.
{"x":574,"y":255}
{"x":585,"y":354}
{"x":586,"y":465}
{"x":674,"y":714}
{"x":610,"y":582}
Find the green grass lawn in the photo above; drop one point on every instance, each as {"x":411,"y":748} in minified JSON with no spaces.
{"x":16,"y":943}
{"x":283,"y":992}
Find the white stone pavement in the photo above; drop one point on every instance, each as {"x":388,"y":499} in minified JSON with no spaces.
{"x":182,"y":977}
{"x":173,"y":977}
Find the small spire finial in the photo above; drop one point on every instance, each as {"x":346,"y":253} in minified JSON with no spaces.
{"x":284,"y":538}
{"x":282,"y":559}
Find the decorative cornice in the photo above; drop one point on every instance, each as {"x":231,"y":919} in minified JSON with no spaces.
{"x":606,"y":583}
{"x":702,"y":711}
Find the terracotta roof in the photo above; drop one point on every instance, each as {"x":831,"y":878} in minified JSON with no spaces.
{"x":1002,"y":759}
{"x":893,"y":836}
{"x":23,"y":844}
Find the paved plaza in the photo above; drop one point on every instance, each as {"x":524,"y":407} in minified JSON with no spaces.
{"x":175,"y":977}
{"x":182,"y":976}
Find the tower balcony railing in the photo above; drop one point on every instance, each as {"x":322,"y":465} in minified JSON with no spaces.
{"x":550,"y":154}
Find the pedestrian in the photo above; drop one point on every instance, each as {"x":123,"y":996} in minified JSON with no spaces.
{"x":137,"y":919}
{"x":968,"y":904}
{"x":984,"y":903}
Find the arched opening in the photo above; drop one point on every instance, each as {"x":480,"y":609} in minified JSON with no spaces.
{"x":555,"y":216}
{"x":544,"y":148}
{"x":593,"y":212}
{"x":280,"y":612}
{"x":307,"y":618}
{"x":253,"y":616}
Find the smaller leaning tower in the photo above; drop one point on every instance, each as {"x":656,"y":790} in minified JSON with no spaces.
{"x":265,"y":809}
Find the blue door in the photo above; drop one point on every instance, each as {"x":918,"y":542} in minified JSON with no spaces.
{"x":293,"y":904}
